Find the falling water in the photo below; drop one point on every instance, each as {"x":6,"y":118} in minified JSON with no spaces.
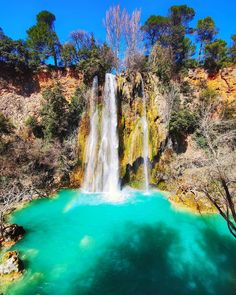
{"x":102,"y":170}
{"x":145,"y":141}
{"x":108,"y":160}
{"x":92,"y":142}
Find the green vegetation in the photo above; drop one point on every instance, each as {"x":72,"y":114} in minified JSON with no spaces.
{"x":216,"y":55}
{"x":58,"y":118}
{"x":42,"y":38}
{"x":168,"y":39}
{"x":233,"y":48}
{"x":182,"y":123}
{"x":5,"y":125}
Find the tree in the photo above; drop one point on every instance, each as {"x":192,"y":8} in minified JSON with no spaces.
{"x":215,"y":55}
{"x":69,"y":55}
{"x":47,"y":18}
{"x":160,"y":63}
{"x":220,"y":172}
{"x":14,"y":54}
{"x":182,"y":48}
{"x":156,"y":29}
{"x":233,"y":48}
{"x":206,"y":32}
{"x":96,"y":62}
{"x":82,"y":39}
{"x":54,"y":114}
{"x":134,"y":57}
{"x":114,"y":24}
{"x":42,"y":38}
{"x":170,"y":33}
{"x":181,"y":15}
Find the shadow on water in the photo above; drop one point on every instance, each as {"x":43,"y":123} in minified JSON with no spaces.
{"x":145,"y":263}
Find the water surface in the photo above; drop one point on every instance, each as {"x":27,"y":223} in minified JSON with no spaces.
{"x":85,"y":245}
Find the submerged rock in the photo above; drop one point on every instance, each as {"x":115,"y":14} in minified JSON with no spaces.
{"x":11,"y":264}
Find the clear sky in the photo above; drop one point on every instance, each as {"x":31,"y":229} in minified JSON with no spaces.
{"x":18,"y":15}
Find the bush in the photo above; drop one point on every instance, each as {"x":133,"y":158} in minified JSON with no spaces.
{"x":216,"y":56}
{"x":36,"y":128}
{"x":54,"y":114}
{"x":76,"y":108}
{"x":200,"y":139}
{"x":6,"y":126}
{"x":182,"y":123}
{"x":95,"y":62}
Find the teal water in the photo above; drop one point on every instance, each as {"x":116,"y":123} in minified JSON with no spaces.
{"x":82,"y":244}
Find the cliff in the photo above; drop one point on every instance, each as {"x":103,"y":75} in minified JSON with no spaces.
{"x":19,"y":100}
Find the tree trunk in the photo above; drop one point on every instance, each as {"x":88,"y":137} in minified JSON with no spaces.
{"x":200,"y":52}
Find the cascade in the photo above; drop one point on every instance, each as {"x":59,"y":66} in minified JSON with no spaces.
{"x":145,"y":142}
{"x":102,"y":170}
{"x":92,"y":142}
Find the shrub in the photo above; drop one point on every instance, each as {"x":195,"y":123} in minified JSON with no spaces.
{"x":36,"y":128}
{"x":182,"y":123}
{"x":54,"y":114}
{"x":6,"y":126}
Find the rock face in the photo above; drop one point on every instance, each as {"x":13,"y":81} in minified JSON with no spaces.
{"x":223,"y":82}
{"x":19,"y":103}
{"x":130,"y":107}
{"x":11,"y":264}
{"x":130,"y":112}
{"x":12,"y":233}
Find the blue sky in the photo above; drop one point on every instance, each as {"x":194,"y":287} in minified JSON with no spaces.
{"x":18,"y":15}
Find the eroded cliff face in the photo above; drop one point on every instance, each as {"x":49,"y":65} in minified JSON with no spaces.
{"x":130,"y":98}
{"x":130,"y":112}
{"x":18,"y":100}
{"x":21,"y":97}
{"x":223,"y":82}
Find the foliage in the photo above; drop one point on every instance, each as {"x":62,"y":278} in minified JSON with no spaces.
{"x":208,"y":95}
{"x":160,"y":63}
{"x":54,"y":114}
{"x":215,"y":55}
{"x":36,"y":128}
{"x":156,"y":29}
{"x":5,"y":125}
{"x":14,"y":54}
{"x":76,"y":108}
{"x":206,"y":32}
{"x":200,"y":139}
{"x":170,"y":34}
{"x":68,"y":54}
{"x":59,"y":118}
{"x":232,"y":50}
{"x":182,"y":123}
{"x":95,"y":62}
{"x":42,"y":38}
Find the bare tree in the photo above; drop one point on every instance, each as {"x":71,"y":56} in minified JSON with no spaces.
{"x":220,"y":138}
{"x":134,"y":55}
{"x":82,"y":40}
{"x":11,"y":195}
{"x":211,"y":171}
{"x":114,"y":24}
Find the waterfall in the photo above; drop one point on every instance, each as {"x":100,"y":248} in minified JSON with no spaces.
{"x":92,"y":142}
{"x":102,"y":170}
{"x":145,"y":142}
{"x":108,"y":158}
